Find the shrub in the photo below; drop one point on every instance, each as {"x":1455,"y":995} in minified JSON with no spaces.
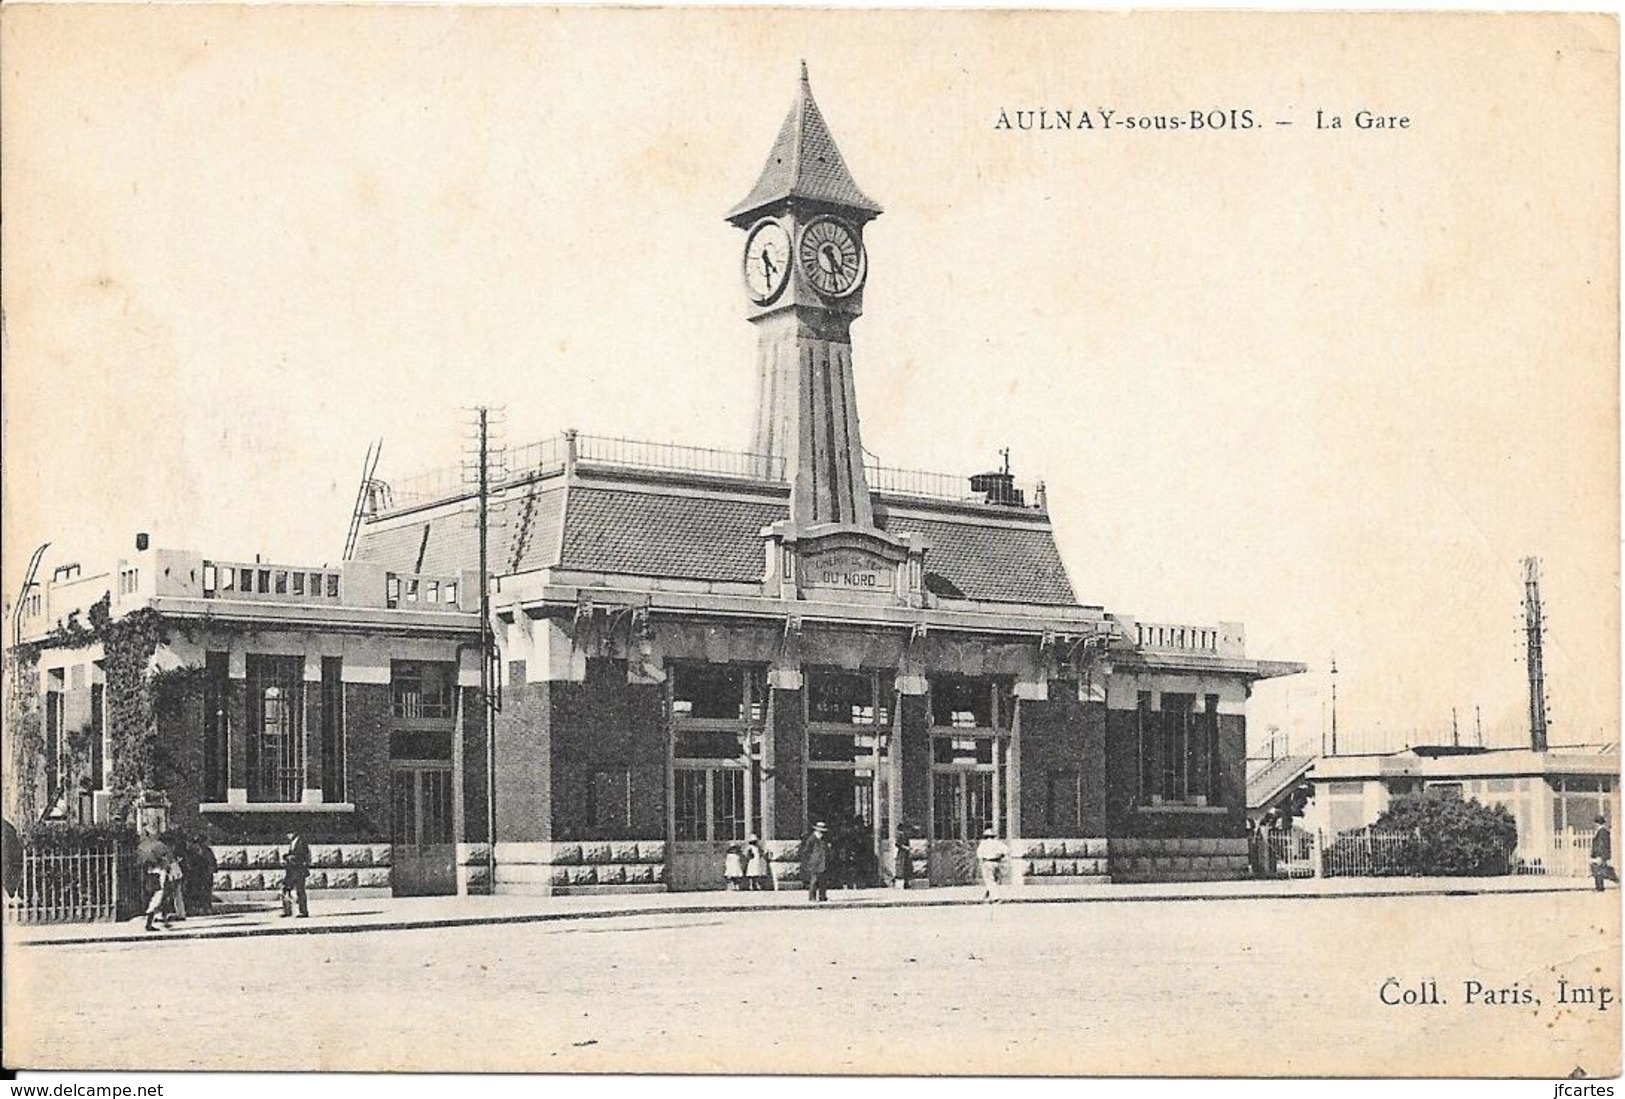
{"x":1455,"y":838}
{"x":61,"y":835}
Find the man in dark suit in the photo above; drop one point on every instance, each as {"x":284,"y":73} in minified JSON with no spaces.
{"x":295,"y":869}
{"x":1602,"y":855}
{"x":815,"y":862}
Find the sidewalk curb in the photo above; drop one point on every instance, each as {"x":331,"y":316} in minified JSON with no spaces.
{"x":297,"y":928}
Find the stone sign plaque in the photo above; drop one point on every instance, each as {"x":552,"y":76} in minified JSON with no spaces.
{"x":848,"y":570}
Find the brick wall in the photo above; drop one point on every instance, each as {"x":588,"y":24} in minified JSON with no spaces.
{"x":916,"y":764}
{"x":367,"y":722}
{"x":473,"y":766}
{"x":790,"y":766}
{"x":606,"y":724}
{"x":1063,"y":739}
{"x":524,"y":780}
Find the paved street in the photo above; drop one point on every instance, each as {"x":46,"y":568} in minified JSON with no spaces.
{"x":1239,"y":986}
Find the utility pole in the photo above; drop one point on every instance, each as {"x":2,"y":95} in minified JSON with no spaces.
{"x":481,"y":455}
{"x":1534,"y":630}
{"x":1334,"y":704}
{"x":485,"y":653}
{"x":1478,"y":725}
{"x":1455,"y":731}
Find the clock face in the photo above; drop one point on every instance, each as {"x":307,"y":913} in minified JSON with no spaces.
{"x":767,"y":261}
{"x":831,"y":257}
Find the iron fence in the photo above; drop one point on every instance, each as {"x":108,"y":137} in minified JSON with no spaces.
{"x":100,"y":881}
{"x":1568,"y":856}
{"x":638,"y":454}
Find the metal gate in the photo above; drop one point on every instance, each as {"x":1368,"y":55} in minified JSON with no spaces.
{"x":423,"y":851}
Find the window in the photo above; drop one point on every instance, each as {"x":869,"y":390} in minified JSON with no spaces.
{"x":1179,"y":749}
{"x":55,"y":741}
{"x":216,"y":672}
{"x":333,"y":728}
{"x":299,"y":583}
{"x":848,"y":698}
{"x":963,"y":804}
{"x":971,"y":702}
{"x":968,"y":779}
{"x":97,"y":733}
{"x":609,"y":802}
{"x":1578,"y":801}
{"x":422,"y":689}
{"x":1345,"y":806}
{"x":709,"y":804}
{"x":332,"y":585}
{"x":708,"y":691}
{"x":276,"y":741}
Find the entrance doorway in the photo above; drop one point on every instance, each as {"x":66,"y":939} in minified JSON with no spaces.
{"x":849,"y":737}
{"x":970,"y":759}
{"x":717,"y":714}
{"x":422,"y":850}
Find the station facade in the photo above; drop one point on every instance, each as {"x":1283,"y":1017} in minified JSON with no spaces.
{"x":692,"y":647}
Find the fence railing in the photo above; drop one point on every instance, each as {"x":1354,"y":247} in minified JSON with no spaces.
{"x":638,"y":454}
{"x":948,"y":486}
{"x":1568,"y":856}
{"x":82,"y":885}
{"x":560,"y":451}
{"x":1368,"y":852}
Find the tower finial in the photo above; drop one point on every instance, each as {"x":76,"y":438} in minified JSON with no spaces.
{"x":805,"y":82}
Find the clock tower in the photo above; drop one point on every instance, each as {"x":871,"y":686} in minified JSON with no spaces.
{"x":804,"y":267}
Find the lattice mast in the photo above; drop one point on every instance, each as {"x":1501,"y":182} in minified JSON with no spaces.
{"x":1534,"y":624}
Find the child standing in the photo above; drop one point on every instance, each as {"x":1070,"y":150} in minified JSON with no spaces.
{"x":755,"y":865}
{"x":733,"y":868}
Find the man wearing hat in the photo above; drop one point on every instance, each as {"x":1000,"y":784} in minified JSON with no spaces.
{"x":990,"y":853}
{"x":1602,"y":854}
{"x":815,"y":862}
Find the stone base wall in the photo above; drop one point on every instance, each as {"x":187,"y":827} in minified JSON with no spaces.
{"x":256,"y":868}
{"x":589,"y":866}
{"x":473,"y":869}
{"x":919,"y":858}
{"x":1059,"y":861}
{"x":784,"y":863}
{"x":1143,"y":859}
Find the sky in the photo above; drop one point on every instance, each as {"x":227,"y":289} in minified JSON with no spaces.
{"x":1331,"y":383}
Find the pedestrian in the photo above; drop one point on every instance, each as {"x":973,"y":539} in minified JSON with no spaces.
{"x":733,"y":868}
{"x":155,"y":857}
{"x":815,"y":862}
{"x":1602,"y":855}
{"x":1263,"y":847}
{"x":177,"y":888}
{"x":295,"y":869}
{"x":903,"y":862}
{"x":756,"y":877}
{"x":990,"y":853}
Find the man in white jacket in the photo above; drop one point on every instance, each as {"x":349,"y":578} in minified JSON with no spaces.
{"x":990,"y":853}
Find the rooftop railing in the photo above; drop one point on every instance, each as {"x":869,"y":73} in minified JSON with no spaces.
{"x":637,"y":454}
{"x":561,"y":452}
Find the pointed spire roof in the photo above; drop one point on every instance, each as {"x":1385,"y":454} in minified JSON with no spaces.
{"x":805,"y":164}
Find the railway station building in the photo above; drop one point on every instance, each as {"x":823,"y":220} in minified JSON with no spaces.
{"x":690,"y":647}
